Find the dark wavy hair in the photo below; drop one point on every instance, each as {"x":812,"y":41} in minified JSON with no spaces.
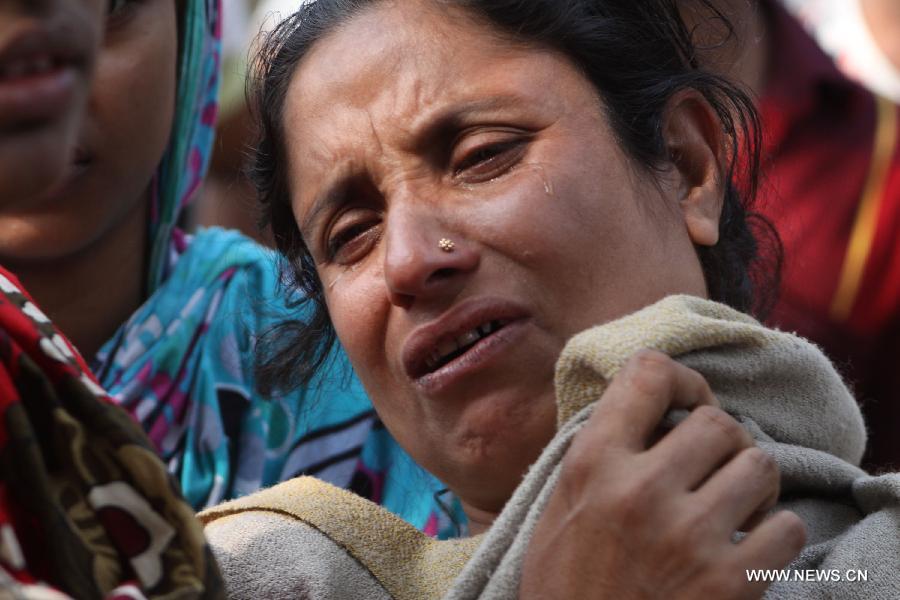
{"x":637,"y":54}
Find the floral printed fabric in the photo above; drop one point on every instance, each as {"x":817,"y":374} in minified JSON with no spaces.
{"x":183,"y":363}
{"x":87,"y":509}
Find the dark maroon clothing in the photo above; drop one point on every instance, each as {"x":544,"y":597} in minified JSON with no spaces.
{"x":819,"y":138}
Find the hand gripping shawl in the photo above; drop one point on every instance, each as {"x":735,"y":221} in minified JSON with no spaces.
{"x":86,"y":507}
{"x":183,"y":363}
{"x":780,"y":387}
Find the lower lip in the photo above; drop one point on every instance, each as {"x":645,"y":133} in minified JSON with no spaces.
{"x":476,"y":358}
{"x":31,"y":99}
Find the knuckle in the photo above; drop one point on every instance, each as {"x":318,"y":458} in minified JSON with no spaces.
{"x":650,"y":372}
{"x":763,"y":462}
{"x":701,"y":385}
{"x":579,"y":463}
{"x":598,"y":436}
{"x":591,"y":460}
{"x":723,"y":422}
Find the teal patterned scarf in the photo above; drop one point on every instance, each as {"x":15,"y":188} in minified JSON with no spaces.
{"x":183,"y":363}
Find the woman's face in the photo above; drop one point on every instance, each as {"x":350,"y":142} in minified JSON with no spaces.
{"x":434,"y":128}
{"x":128,"y":124}
{"x":47,"y":51}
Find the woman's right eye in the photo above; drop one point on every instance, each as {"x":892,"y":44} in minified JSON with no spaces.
{"x":351,"y":243}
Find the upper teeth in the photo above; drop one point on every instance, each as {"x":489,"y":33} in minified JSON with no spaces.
{"x":26,"y":66}
{"x":449,"y":346}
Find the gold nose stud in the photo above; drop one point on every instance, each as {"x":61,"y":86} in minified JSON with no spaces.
{"x":446,"y":245}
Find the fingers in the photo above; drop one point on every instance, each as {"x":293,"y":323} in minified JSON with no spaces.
{"x":648,"y":386}
{"x":639,"y":514}
{"x":772,"y":545}
{"x":745,"y":487}
{"x":704,"y":441}
{"x":708,"y":452}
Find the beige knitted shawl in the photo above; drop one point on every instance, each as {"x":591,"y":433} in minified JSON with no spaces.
{"x":304,"y":538}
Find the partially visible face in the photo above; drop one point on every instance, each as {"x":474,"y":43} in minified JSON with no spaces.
{"x":47,"y":52}
{"x":433,"y":129}
{"x":125,"y":133}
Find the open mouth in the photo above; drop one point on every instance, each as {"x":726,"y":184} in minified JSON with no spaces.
{"x":467,"y":338}
{"x":40,"y":70}
{"x":452,"y":348}
{"x":29,"y":67}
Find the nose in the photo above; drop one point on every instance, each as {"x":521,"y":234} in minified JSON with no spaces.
{"x":424,"y":258}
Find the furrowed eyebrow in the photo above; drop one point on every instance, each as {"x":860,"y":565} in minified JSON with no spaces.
{"x":430,"y":127}
{"x":440,"y":123}
{"x":325,"y":203}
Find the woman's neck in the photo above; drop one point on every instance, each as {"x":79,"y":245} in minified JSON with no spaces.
{"x":479,"y":520}
{"x":88,"y":295}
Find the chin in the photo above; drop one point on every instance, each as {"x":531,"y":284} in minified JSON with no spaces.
{"x":31,"y":163}
{"x":24,"y":239}
{"x":488,"y":470}
{"x":498,"y":438}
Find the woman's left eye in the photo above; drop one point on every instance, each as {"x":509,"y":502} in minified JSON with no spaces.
{"x":489,"y":160}
{"x":116,"y":7}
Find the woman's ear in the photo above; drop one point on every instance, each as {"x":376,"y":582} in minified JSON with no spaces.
{"x":696,"y":146}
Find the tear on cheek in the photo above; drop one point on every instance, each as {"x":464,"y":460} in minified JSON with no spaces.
{"x":344,"y":276}
{"x":335,"y":281}
{"x":541,"y":171}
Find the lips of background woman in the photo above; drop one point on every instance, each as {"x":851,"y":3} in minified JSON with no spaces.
{"x":41,"y":65}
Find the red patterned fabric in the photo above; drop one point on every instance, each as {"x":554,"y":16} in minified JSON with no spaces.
{"x":87,"y":509}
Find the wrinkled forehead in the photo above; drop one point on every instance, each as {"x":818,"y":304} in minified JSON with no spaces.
{"x":376,"y":82}
{"x":408,"y":50}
